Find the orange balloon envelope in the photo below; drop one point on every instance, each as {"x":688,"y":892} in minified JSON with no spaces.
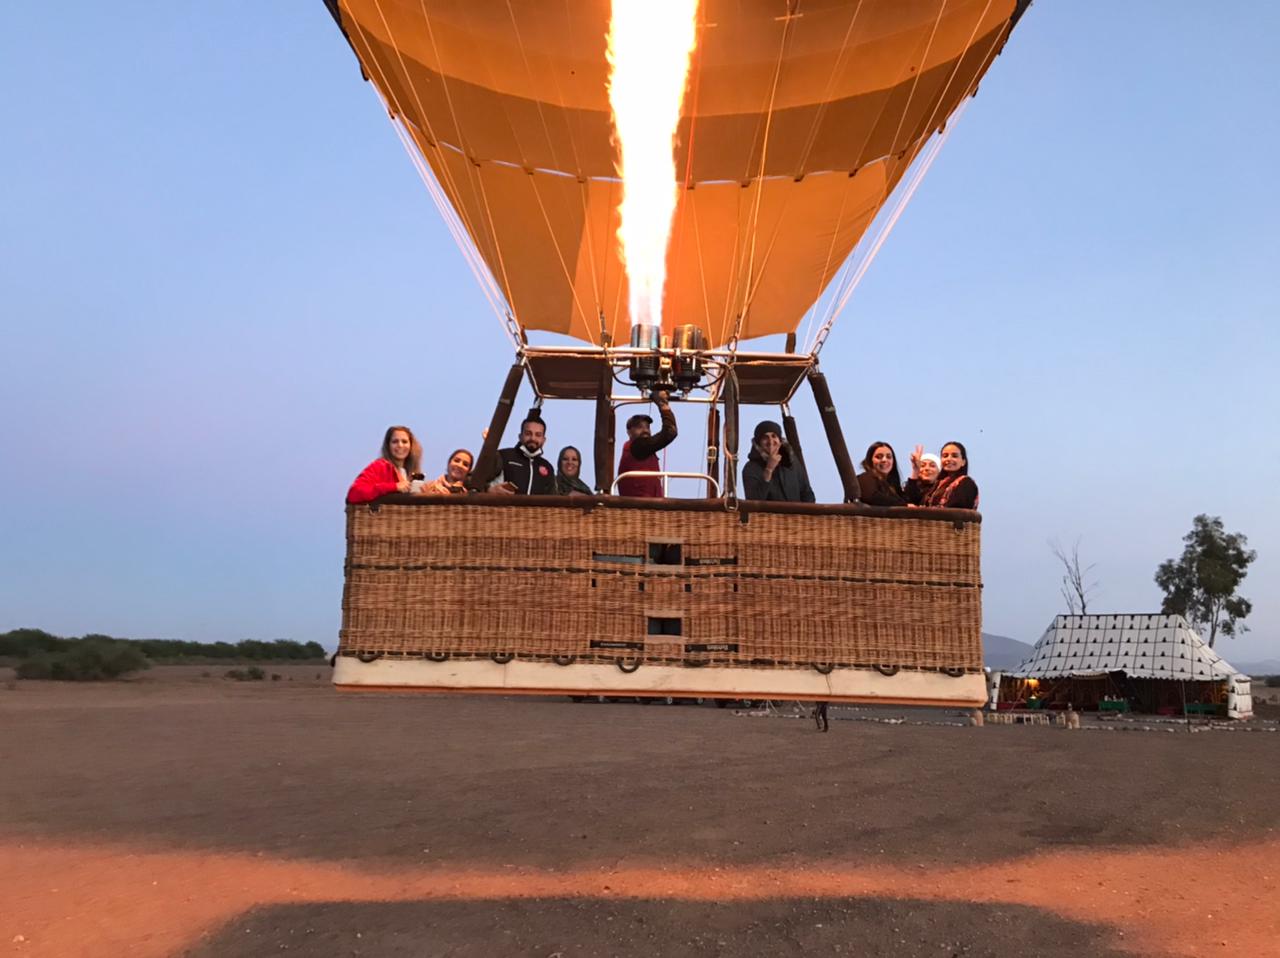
{"x":799,"y":120}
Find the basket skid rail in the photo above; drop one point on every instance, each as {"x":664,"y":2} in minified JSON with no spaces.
{"x":885,"y":685}
{"x":546,"y":595}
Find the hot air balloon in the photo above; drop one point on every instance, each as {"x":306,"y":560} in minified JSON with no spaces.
{"x":795,"y":127}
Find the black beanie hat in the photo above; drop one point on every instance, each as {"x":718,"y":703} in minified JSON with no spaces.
{"x":767,"y":425}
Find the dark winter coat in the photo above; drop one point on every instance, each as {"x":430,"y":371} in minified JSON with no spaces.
{"x":789,"y":483}
{"x":531,"y":475}
{"x":877,"y":491}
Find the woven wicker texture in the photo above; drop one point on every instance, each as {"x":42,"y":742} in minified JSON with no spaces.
{"x":633,"y":585}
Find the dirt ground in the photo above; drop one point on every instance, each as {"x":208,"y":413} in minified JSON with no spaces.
{"x":186,"y":814}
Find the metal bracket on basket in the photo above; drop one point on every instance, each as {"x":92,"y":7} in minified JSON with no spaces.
{"x":664,"y":475}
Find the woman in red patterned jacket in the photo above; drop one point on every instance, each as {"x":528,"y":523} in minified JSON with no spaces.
{"x":393,"y":471}
{"x":954,"y":488}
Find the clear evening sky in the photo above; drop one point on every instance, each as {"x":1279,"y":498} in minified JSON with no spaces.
{"x":220,"y":280}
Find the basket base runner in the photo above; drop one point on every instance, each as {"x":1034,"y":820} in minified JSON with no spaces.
{"x":867,"y":686}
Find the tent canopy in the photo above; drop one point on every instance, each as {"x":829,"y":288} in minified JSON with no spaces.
{"x":1141,"y":646}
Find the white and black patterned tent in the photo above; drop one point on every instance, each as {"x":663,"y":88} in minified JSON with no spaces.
{"x":1139,"y":646}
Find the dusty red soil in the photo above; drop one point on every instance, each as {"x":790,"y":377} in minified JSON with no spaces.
{"x":189,"y":815}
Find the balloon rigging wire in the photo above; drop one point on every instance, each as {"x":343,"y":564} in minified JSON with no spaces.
{"x":915,"y":82}
{"x":477,"y":180}
{"x":534,"y":173}
{"x":854,"y":275}
{"x":748,"y":288}
{"x":462,"y":239}
{"x":453,"y":222}
{"x":458,"y":222}
{"x":846,"y":287}
{"x":851,"y":279}
{"x":829,"y":92}
{"x":846,"y":269}
{"x":432,"y":136}
{"x":824,"y":276}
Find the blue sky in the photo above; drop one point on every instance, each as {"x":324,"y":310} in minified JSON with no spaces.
{"x":220,"y":279}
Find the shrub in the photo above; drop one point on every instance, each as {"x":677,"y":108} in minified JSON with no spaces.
{"x":1273,"y":681}
{"x":22,"y":643}
{"x":251,"y":674}
{"x":25,"y":643}
{"x":90,"y":660}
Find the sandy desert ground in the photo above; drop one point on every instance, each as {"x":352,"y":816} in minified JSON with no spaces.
{"x":185,"y":814}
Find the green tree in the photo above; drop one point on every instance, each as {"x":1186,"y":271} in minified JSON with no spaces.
{"x":1201,"y":584}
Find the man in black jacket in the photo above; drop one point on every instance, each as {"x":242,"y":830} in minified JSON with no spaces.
{"x":524,"y":471}
{"x":773,"y":471}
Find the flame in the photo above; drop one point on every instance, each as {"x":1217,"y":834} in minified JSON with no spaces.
{"x":650,"y":43}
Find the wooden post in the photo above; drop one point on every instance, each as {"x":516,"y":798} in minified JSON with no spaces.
{"x":730,"y":393}
{"x":831,"y":423}
{"x":713,"y":447}
{"x":792,"y":434}
{"x":487,"y":466}
{"x":606,"y":426}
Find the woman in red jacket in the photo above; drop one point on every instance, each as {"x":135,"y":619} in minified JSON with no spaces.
{"x":954,"y":488}
{"x":393,"y":471}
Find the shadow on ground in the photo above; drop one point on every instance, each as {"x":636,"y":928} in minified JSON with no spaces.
{"x":578,"y":928}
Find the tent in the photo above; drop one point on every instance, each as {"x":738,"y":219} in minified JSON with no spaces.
{"x":1148,"y":663}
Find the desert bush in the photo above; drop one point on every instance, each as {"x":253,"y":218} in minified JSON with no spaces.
{"x":89,"y":660}
{"x":275,"y":676}
{"x":251,"y":674}
{"x":23,"y":643}
{"x":252,"y":649}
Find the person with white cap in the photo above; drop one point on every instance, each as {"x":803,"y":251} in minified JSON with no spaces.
{"x":773,"y":470}
{"x":925,"y":467}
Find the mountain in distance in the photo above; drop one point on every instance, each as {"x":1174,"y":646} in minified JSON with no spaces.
{"x":1265,"y":667}
{"x":1002,"y":652}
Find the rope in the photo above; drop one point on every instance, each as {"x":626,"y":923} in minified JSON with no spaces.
{"x":477,"y":180}
{"x":462,"y":237}
{"x":524,"y":56}
{"x":915,"y":82}
{"x":827,"y":92}
{"x":758,"y":182}
{"x":904,"y":197}
{"x":853,"y":278}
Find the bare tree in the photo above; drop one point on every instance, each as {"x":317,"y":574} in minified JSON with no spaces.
{"x":1075,"y":585}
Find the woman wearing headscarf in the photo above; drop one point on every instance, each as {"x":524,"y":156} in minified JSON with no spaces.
{"x":569,"y":473}
{"x":879,"y":483}
{"x":453,"y":481}
{"x":954,"y":488}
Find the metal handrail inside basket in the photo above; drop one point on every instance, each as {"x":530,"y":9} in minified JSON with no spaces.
{"x":664,"y":475}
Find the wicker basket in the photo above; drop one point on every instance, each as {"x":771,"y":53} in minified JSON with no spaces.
{"x":674,"y":583}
